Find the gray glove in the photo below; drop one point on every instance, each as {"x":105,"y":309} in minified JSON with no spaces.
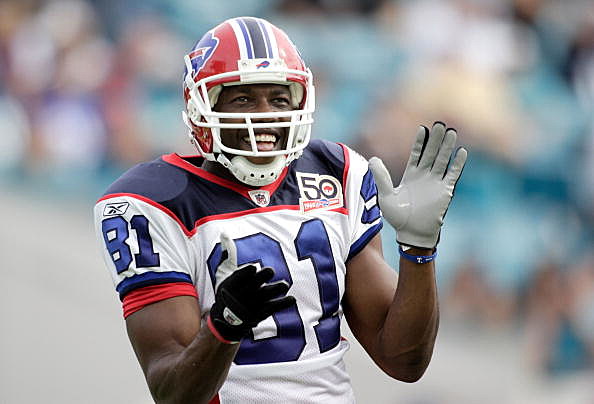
{"x":417,"y":207}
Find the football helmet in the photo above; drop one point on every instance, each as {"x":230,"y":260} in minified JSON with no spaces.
{"x":247,"y":50}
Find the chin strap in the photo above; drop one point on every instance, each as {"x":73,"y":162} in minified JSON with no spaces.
{"x":256,"y":175}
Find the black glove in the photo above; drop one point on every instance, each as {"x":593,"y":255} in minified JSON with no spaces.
{"x":243,"y":299}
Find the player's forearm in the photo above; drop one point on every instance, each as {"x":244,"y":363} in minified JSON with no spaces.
{"x":195,"y":374}
{"x":408,"y":336}
{"x":416,"y":209}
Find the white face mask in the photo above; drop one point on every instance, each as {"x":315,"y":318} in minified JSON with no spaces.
{"x":199,"y":113}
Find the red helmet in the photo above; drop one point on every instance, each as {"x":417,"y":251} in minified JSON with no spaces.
{"x":247,"y":50}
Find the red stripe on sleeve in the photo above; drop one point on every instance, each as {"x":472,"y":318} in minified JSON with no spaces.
{"x":139,"y":298}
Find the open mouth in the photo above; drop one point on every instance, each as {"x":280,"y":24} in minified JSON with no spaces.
{"x":265,"y":141}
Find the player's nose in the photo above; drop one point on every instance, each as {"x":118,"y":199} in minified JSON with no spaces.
{"x":264,"y":105}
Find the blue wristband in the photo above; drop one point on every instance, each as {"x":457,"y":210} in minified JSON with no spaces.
{"x":417,"y":259}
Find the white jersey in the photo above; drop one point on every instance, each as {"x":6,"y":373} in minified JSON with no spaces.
{"x":161,"y":224}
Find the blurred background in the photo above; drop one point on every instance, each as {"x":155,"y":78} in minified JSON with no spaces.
{"x":90,"y":87}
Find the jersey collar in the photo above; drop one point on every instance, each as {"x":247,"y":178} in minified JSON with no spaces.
{"x":181,"y":162}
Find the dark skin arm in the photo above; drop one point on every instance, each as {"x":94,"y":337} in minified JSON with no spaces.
{"x":395,"y":318}
{"x":182,"y":362}
{"x":397,"y":326}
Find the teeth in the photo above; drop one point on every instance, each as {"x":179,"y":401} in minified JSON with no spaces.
{"x":261,"y":138}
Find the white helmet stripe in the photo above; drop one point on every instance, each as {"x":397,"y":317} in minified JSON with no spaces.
{"x":243,"y":50}
{"x":246,"y":38}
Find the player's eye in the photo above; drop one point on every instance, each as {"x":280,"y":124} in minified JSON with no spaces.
{"x":282,"y":101}
{"x":242,"y":99}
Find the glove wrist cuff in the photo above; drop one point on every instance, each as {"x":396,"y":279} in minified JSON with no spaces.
{"x":417,"y":259}
{"x":218,"y":335}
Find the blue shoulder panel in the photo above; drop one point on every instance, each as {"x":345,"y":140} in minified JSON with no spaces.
{"x":325,"y":156}
{"x":155,"y":180}
{"x":191,"y":197}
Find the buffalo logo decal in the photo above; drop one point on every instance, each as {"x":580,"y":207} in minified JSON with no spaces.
{"x":203,"y":51}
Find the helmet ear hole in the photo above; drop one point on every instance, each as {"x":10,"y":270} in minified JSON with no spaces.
{"x":296,"y":90}
{"x":213,"y":95}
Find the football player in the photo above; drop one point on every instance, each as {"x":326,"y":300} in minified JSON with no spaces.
{"x":237,"y":266}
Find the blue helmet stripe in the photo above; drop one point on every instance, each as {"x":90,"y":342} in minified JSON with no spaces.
{"x":258,"y":43}
{"x":246,"y":37}
{"x":268,"y":45}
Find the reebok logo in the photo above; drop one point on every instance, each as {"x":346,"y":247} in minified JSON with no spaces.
{"x":115,"y":209}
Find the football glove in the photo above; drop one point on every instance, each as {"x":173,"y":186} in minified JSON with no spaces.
{"x":416,"y":208}
{"x":243,"y":297}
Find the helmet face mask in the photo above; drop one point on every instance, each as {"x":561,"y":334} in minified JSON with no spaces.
{"x":244,"y":51}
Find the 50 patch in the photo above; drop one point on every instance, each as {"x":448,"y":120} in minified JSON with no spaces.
{"x":319,"y":192}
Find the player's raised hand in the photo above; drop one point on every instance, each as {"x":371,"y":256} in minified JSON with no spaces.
{"x":243,"y":296}
{"x":416,"y":208}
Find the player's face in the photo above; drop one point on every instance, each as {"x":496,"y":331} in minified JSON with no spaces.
{"x":249,"y":99}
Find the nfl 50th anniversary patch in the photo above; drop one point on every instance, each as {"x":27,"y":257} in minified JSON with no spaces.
{"x":319,"y":192}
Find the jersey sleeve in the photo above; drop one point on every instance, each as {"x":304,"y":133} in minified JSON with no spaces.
{"x":365,"y":217}
{"x":145,"y":249}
